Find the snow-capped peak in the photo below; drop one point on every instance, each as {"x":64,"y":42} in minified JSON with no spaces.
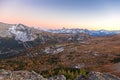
{"x":90,"y":32}
{"x":21,"y":33}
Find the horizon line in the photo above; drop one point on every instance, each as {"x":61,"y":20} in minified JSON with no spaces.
{"x":62,"y":27}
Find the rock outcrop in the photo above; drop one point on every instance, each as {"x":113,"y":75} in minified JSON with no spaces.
{"x":60,"y":77}
{"x":20,"y":75}
{"x":98,"y":76}
{"x":26,"y":75}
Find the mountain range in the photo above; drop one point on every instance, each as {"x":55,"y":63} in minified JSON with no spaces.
{"x":59,"y":51}
{"x":90,"y":32}
{"x":15,"y":38}
{"x":18,"y":37}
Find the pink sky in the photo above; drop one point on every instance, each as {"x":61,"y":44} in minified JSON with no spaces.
{"x":18,"y":11}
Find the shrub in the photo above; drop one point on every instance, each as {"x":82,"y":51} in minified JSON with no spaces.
{"x":69,"y":73}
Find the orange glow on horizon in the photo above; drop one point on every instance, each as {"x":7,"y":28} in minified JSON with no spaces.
{"x":46,"y":25}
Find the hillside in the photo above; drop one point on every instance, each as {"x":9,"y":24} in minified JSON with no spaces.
{"x":95,"y":54}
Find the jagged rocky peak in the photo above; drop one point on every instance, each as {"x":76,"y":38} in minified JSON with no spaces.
{"x":20,"y":27}
{"x":21,"y":32}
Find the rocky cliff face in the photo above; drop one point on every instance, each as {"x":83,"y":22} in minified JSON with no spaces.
{"x":21,"y":33}
{"x":26,"y":75}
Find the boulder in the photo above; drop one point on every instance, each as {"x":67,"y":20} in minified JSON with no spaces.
{"x":98,"y":76}
{"x":60,"y":77}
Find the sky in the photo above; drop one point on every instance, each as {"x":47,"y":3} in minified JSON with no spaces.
{"x":56,"y":14}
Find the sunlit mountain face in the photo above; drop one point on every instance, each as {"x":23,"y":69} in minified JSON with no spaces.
{"x":54,"y":14}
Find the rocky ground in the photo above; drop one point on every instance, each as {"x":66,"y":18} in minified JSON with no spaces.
{"x":26,"y":75}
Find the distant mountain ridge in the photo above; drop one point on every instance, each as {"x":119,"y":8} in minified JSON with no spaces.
{"x":15,"y":29}
{"x":90,"y":32}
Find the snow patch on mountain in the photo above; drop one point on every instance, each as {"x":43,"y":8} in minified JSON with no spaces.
{"x":21,"y":33}
{"x":53,"y":50}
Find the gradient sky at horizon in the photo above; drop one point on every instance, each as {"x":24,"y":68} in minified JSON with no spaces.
{"x":54,"y":14}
